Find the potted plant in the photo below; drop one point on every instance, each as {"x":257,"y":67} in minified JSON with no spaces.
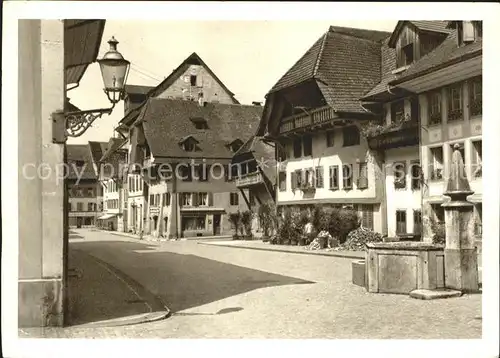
{"x":246,"y":222}
{"x":235,"y":220}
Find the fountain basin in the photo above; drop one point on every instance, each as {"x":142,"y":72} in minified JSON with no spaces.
{"x":401,"y":267}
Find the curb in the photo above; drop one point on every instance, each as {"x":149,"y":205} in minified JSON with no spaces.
{"x":127,"y":321}
{"x":329,"y":253}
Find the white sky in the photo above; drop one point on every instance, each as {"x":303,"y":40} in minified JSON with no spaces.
{"x":248,"y":56}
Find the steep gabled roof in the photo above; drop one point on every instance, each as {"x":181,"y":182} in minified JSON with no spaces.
{"x":167,"y":121}
{"x":76,"y":153}
{"x":113,"y":145}
{"x":167,"y":82}
{"x":138,"y":89}
{"x":444,"y":55}
{"x":97,"y":149}
{"x":440,"y":27}
{"x":344,"y":62}
{"x":263,"y":153}
{"x":191,"y":59}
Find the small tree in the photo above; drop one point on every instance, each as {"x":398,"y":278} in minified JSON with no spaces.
{"x":265,"y":217}
{"x":246,"y":221}
{"x":235,"y":220}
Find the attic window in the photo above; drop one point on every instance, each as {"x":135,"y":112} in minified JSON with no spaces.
{"x":189,"y":146}
{"x":405,"y":56}
{"x":79,"y":163}
{"x":199,"y":122}
{"x":469,"y":31}
{"x":193,"y":80}
{"x":235,"y":145}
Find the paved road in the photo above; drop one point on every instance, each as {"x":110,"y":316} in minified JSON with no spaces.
{"x":219,"y":292}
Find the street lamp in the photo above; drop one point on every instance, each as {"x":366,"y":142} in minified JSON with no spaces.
{"x":114,"y":71}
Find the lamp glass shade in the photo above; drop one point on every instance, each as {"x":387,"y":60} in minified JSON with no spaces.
{"x":114,"y":73}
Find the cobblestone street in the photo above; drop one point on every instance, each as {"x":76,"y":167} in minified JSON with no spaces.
{"x":221,"y":292}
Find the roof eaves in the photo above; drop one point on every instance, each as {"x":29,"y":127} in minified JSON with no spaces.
{"x":442,"y":65}
{"x":320,"y":54}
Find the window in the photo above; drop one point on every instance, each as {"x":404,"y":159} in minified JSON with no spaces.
{"x":351,"y":136}
{"x":417,"y":222}
{"x":308,"y":178}
{"x":334,"y":177}
{"x":201,"y":199}
{"x":282,"y":181}
{"x":319,"y":177}
{"x":363,"y":176}
{"x":193,"y":80}
{"x":298,"y":179}
{"x":407,"y":54}
{"x":202,"y":172}
{"x":233,"y":199}
{"x":281,"y":151}
{"x":186,"y":199}
{"x":297,"y":148}
{"x":185,"y":172}
{"x":399,"y":175}
{"x":90,"y":192}
{"x":397,"y":111}
{"x":129,"y":184}
{"x":251,"y":198}
{"x":189,"y":146}
{"x":157,"y":199}
{"x":416,"y":173}
{"x":140,"y":184}
{"x":152,"y":200}
{"x":367,"y":216}
{"x":79,"y":206}
{"x":434,"y":99}
{"x":79,"y":163}
{"x":455,"y":102}
{"x":166,"y":199}
{"x":193,"y":223}
{"x":436,"y":163}
{"x":476,"y":96}
{"x":477,"y":158}
{"x":90,"y":207}
{"x":307,"y":145}
{"x":400,"y":222}
{"x":330,"y":138}
{"x":79,"y":192}
{"x":347,"y":176}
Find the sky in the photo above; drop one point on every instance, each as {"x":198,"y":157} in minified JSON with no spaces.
{"x":249,"y":57}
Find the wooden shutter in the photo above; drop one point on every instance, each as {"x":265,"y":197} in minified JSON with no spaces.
{"x":210,"y":199}
{"x":294,"y":180}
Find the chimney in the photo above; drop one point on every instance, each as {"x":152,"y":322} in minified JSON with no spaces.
{"x":256,"y":103}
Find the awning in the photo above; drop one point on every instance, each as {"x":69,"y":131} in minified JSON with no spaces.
{"x":82,"y":39}
{"x":106,"y":216}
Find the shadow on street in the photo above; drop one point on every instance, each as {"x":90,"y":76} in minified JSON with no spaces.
{"x":180,"y":281}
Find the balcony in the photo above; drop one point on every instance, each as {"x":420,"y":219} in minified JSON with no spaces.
{"x":314,"y":119}
{"x":249,"y":180}
{"x":395,"y":135}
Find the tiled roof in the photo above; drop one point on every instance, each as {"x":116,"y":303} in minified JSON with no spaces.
{"x":138,"y":89}
{"x":445,"y":54}
{"x":345,"y":63}
{"x":113,"y":145}
{"x":97,"y":149}
{"x":113,"y":158}
{"x":166,"y":121}
{"x":80,"y":152}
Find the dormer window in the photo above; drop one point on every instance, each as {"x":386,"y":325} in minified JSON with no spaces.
{"x":397,"y":111}
{"x":189,"y":144}
{"x":235,"y":145}
{"x":199,"y":122}
{"x":467,"y":31}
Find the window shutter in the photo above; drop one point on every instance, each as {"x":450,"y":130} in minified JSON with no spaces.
{"x":194,"y":199}
{"x":468,"y":31}
{"x":293,"y":180}
{"x":210,"y":199}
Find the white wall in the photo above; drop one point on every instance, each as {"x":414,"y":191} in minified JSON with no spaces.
{"x":400,"y":199}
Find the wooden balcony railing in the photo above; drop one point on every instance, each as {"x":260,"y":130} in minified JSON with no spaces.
{"x":249,"y":179}
{"x":302,"y":120}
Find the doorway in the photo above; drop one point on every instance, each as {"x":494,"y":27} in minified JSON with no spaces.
{"x":216,"y":224}
{"x":79,"y":222}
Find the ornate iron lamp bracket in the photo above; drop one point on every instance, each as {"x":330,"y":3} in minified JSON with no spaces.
{"x":74,"y":124}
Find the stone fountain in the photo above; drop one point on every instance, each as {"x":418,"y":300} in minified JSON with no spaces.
{"x":424,"y":270}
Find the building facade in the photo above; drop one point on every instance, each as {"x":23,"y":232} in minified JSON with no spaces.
{"x":448,"y":82}
{"x":314,"y":116}
{"x":84,"y":192}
